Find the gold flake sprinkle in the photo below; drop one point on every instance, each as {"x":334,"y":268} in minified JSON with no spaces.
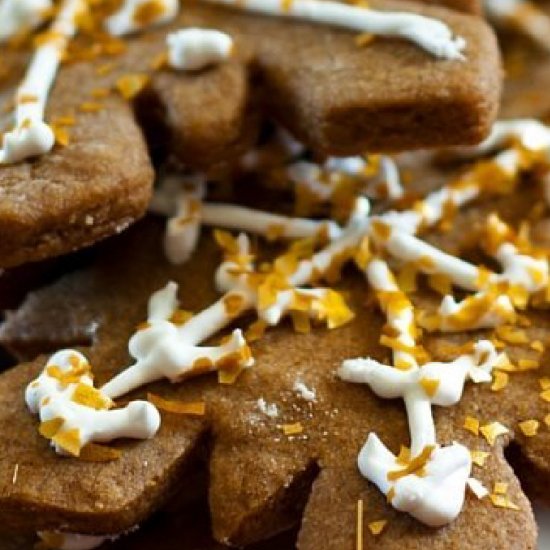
{"x":479,"y":457}
{"x":376,"y":527}
{"x":500,"y":488}
{"x":471,"y":424}
{"x":500,"y":380}
{"x":502,"y":501}
{"x":359,"y":528}
{"x":529,"y":427}
{"x":293,"y":429}
{"x":491,"y":431}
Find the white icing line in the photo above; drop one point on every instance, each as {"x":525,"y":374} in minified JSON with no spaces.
{"x":126,"y":20}
{"x":193,"y":49}
{"x":434,"y":499}
{"x":32,"y":136}
{"x":523,"y":15}
{"x":165,"y":350}
{"x":51,"y":399}
{"x":429,"y":34}
{"x":18,"y":16}
{"x":183,"y":228}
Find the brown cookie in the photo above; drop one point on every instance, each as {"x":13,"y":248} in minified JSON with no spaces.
{"x":259,"y":477}
{"x":100,"y":181}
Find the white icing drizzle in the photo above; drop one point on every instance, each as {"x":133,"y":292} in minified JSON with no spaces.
{"x":532,"y":134}
{"x":127,"y":19}
{"x":31,"y":135}
{"x":479,"y":490}
{"x":195,"y":48}
{"x":52,"y":398}
{"x":524,"y":15}
{"x":181,"y":200}
{"x":165,"y":350}
{"x":433,"y":36}
{"x":323,"y":181}
{"x":17,"y":16}
{"x":437,"y":497}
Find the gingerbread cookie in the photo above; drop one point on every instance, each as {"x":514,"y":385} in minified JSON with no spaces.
{"x":301,"y":407}
{"x":81,"y":191}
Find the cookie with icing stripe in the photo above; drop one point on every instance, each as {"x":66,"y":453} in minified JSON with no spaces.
{"x":209,"y":117}
{"x":323,"y":429}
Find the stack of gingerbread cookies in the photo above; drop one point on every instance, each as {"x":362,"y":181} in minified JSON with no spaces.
{"x":275,"y":274}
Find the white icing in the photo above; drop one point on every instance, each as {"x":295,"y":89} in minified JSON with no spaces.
{"x":477,"y":488}
{"x":435,"y":499}
{"x":17,"y":16}
{"x":500,"y":312}
{"x":269,"y":409}
{"x":532,"y":134}
{"x":429,"y":34}
{"x":183,"y":229}
{"x":323,"y":181}
{"x":307,"y":394}
{"x":124,"y":21}
{"x":31,"y":135}
{"x":194,"y":49}
{"x":48,"y":398}
{"x":523,"y":15}
{"x":166,"y":350}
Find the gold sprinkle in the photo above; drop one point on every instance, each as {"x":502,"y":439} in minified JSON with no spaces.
{"x":376,"y":527}
{"x":502,"y":501}
{"x":512,"y":335}
{"x":99,"y":453}
{"x":500,"y":380}
{"x":88,"y":396}
{"x":479,"y":457}
{"x":364,"y":39}
{"x":547,"y":420}
{"x":491,"y":431}
{"x":528,"y":364}
{"x":177,"y":407}
{"x":471,"y":424}
{"x":90,"y":107}
{"x":429,"y":385}
{"x":500,"y":488}
{"x":130,"y":85}
{"x":415,"y":466}
{"x":359,"y":528}
{"x":544,"y":383}
{"x":529,"y":427}
{"x":293,"y":429}
{"x":546,"y":395}
{"x":537,"y":345}
{"x":69,"y":441}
